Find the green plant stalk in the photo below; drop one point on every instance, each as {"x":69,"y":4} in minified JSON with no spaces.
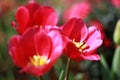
{"x":67,"y":69}
{"x":61,"y":75}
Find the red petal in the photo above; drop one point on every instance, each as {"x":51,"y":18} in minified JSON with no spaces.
{"x":16,"y":52}
{"x":45,"y":16}
{"x":27,"y":42}
{"x":68,"y":27}
{"x":32,"y":7}
{"x":75,"y":29}
{"x":72,"y":51}
{"x":22,"y":18}
{"x":14,"y":25}
{"x":43,"y":43}
{"x":75,"y":55}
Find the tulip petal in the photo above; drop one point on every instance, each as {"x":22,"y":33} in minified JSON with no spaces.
{"x":75,"y":29}
{"x":45,"y":16}
{"x":94,"y":39}
{"x":91,"y":57}
{"x":38,"y":71}
{"x":72,"y":51}
{"x":42,"y":43}
{"x":22,"y":18}
{"x":32,"y":7}
{"x":58,"y":45}
{"x":28,"y":43}
{"x":51,"y":18}
{"x":16,"y":52}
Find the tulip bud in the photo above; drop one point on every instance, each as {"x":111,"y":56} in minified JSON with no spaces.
{"x":116,"y":36}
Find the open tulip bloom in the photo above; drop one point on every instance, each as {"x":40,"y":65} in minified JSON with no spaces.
{"x":36,"y":50}
{"x":82,"y":41}
{"x":34,"y":14}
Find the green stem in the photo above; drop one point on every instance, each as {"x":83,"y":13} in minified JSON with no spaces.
{"x":41,"y":78}
{"x":67,"y":69}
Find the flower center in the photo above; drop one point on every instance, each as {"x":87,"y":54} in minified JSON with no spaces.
{"x":38,"y":60}
{"x":80,"y":45}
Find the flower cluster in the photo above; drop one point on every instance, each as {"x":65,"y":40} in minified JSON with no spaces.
{"x":40,"y":42}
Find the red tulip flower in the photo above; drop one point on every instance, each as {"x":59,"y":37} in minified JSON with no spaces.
{"x":36,"y":50}
{"x":83,"y":41}
{"x":79,"y":10}
{"x":34,"y":14}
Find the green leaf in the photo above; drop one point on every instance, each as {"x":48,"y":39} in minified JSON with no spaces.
{"x":10,"y":75}
{"x":46,"y":76}
{"x":105,"y":70}
{"x":61,"y":75}
{"x":71,"y":76}
{"x":116,"y":62}
{"x":103,"y":62}
{"x":1,"y":77}
{"x":33,"y":78}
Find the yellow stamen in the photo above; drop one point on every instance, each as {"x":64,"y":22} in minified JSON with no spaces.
{"x":37,"y":60}
{"x":80,"y":45}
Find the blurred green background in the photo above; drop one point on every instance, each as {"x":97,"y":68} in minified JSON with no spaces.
{"x":104,"y":14}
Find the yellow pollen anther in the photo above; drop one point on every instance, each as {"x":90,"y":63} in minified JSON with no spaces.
{"x":80,"y":45}
{"x":38,"y":60}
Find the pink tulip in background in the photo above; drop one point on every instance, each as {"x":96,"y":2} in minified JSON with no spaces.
{"x":116,"y":3}
{"x":79,"y":10}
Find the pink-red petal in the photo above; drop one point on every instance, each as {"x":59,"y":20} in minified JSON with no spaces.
{"x":32,"y":7}
{"x":38,"y":71}
{"x":28,"y":43}
{"x":94,"y":39}
{"x":22,"y":17}
{"x":58,"y":44}
{"x":42,"y":43}
{"x":92,"y":57}
{"x":72,"y":51}
{"x":16,"y":52}
{"x":75,"y":29}
{"x":45,"y":16}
